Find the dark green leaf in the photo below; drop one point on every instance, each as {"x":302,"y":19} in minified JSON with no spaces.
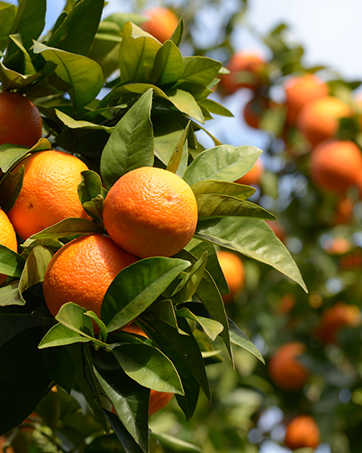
{"x":222,"y":163}
{"x":60,"y":335}
{"x":11,"y":263}
{"x":13,"y":80}
{"x":173,"y":444}
{"x":35,"y":267}
{"x":79,"y":27}
{"x":231,"y":189}
{"x":9,"y":295}
{"x":60,"y":367}
{"x":253,"y":238}
{"x":10,"y":188}
{"x":136,"y":287}
{"x":131,"y":143}
{"x":168,"y":66}
{"x":240,"y":339}
{"x":211,"y":327}
{"x":149,"y":367}
{"x":7,"y":16}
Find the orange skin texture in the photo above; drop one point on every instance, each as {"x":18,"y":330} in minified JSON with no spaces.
{"x":81,"y":272}
{"x":242,"y":61}
{"x":302,"y":432}
{"x":336,"y":165}
{"x":7,"y":237}
{"x":253,"y":176}
{"x":161,"y":24}
{"x":299,"y":90}
{"x":150,"y":212}
{"x":319,"y":119}
{"x":233,"y":270}
{"x":158,"y":400}
{"x":335,"y":318}
{"x":49,"y":193}
{"x":20,"y":120}
{"x":285,"y":371}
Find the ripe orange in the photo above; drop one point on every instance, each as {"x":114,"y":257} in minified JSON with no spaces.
{"x":248,"y":62}
{"x":302,"y":432}
{"x":7,"y":237}
{"x":253,"y":176}
{"x":299,"y":90}
{"x":49,"y":193}
{"x":150,"y":212}
{"x":285,"y":371}
{"x":161,"y":24}
{"x":81,"y":272}
{"x":253,"y":111}
{"x":233,"y":270}
{"x":319,"y":119}
{"x":158,"y":400}
{"x":335,"y":318}
{"x":336,"y":165}
{"x":20,"y":120}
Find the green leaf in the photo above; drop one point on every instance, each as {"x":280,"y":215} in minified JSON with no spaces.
{"x":80,"y":124}
{"x":67,"y":227}
{"x":211,"y":327}
{"x":29,"y":22}
{"x":60,"y":367}
{"x":231,"y":189}
{"x":217,"y":205}
{"x":28,"y":67}
{"x":173,"y":444}
{"x":222,"y":163}
{"x":186,"y":103}
{"x":138,"y":51}
{"x":9,"y":295}
{"x":13,"y":80}
{"x":92,"y":194}
{"x":83,"y":75}
{"x":60,"y":335}
{"x":252,"y":238}
{"x":149,"y":367}
{"x":24,"y":363}
{"x":10,"y":188}
{"x":240,"y":339}
{"x":199,"y":70}
{"x":7,"y":16}
{"x":130,"y":400}
{"x":178,"y":32}
{"x":215,"y":107}
{"x":35,"y":267}
{"x":136,"y":287}
{"x":122,"y":18}
{"x":78,"y":29}
{"x":179,"y":154}
{"x":131,"y":143}
{"x":10,"y":155}
{"x":11,"y":263}
{"x":168,"y":66}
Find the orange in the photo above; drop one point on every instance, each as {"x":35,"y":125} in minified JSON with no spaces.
{"x":158,"y":400}
{"x":150,"y":212}
{"x":20,"y":120}
{"x":7,"y":237}
{"x":286,"y":304}
{"x":285,"y":371}
{"x":319,"y":119}
{"x":344,"y":211}
{"x":247,"y":62}
{"x":337,"y":246}
{"x":81,"y":272}
{"x":161,"y":24}
{"x":233,"y":270}
{"x":299,"y":90}
{"x":335,"y":318}
{"x":253,"y":111}
{"x":336,"y":165}
{"x":302,"y":432}
{"x":253,"y":176}
{"x":49,"y":193}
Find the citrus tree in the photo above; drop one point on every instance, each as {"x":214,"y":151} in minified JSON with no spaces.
{"x":117,"y":100}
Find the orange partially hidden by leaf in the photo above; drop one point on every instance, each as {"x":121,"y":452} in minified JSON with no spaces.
{"x":299,"y":90}
{"x":161,"y":23}
{"x":20,"y":120}
{"x":150,"y":212}
{"x":253,"y":176}
{"x":336,"y":165}
{"x":7,"y":237}
{"x":285,"y":370}
{"x":302,"y":432}
{"x":49,"y":193}
{"x":319,"y":119}
{"x":246,"y":69}
{"x":335,"y":318}
{"x":81,"y":272}
{"x":233,"y":270}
